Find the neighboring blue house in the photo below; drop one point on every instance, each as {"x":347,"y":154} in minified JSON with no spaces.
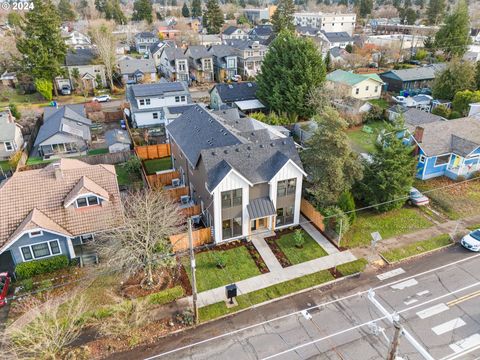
{"x":55,"y":210}
{"x":446,"y":148}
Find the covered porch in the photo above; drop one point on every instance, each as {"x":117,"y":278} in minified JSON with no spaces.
{"x":262,"y":214}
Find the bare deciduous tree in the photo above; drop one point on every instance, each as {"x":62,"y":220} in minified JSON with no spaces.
{"x":103,"y":37}
{"x":142,"y":243}
{"x":54,"y":327}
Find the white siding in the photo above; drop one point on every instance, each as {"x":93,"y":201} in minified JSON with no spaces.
{"x":156,"y":102}
{"x":146,"y":118}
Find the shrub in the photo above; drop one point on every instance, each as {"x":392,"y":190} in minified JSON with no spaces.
{"x":374,"y":114}
{"x":347,"y":204}
{"x":45,"y":88}
{"x":185,"y":318}
{"x":336,"y":220}
{"x":166,"y":296}
{"x":26,"y":284}
{"x":352,"y":267}
{"x":32,"y":268}
{"x":442,"y":111}
{"x":299,"y":239}
{"x":14,"y":110}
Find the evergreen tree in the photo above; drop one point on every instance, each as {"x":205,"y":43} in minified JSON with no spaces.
{"x":435,"y":11}
{"x":390,"y":174}
{"x":290,"y":70}
{"x":343,"y":2}
{"x":142,"y":10}
{"x":459,"y":75}
{"x":410,"y":16}
{"x":242,"y":4}
{"x":196,"y":8}
{"x":453,"y":37}
{"x":185,"y":10}
{"x":214,"y":17}
{"x":420,"y":3}
{"x":112,"y":10}
{"x":329,"y":160}
{"x":365,"y":8}
{"x":41,"y":45}
{"x":328,"y":62}
{"x":174,"y":3}
{"x":65,"y":9}
{"x":282,"y":18}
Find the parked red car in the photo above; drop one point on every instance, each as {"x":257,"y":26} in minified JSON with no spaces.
{"x":4,"y":285}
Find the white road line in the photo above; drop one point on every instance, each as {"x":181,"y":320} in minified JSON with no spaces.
{"x":410,"y":301}
{"x":404,"y":284}
{"x":448,"y":326}
{"x":466,"y":343}
{"x":390,"y":274}
{"x":461,"y":354}
{"x":421,"y":293}
{"x":431,"y":311}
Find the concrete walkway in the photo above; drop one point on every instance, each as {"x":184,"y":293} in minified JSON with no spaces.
{"x":274,"y":277}
{"x":318,"y":236}
{"x":266,"y":253}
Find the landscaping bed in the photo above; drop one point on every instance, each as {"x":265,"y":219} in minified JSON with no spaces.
{"x":284,"y":247}
{"x":235,"y":258}
{"x":162,"y":164}
{"x":455,"y":201}
{"x":388,"y":224}
{"x":417,"y":248}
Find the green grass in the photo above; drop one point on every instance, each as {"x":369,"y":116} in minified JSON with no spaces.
{"x":352,"y":267}
{"x":97,"y":151}
{"x":272,"y":292}
{"x":380,"y":102}
{"x":124,"y":177}
{"x":5,"y":165}
{"x":416,"y":248}
{"x":473,"y":227}
{"x":363,"y":140}
{"x":389,"y":224}
{"x":310,"y":250}
{"x":152,"y":166}
{"x":239,"y":265}
{"x":35,"y":160}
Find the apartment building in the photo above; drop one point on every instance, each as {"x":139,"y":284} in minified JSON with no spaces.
{"x":331,"y":22}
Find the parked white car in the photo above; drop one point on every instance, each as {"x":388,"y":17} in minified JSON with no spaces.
{"x":102,"y":98}
{"x":471,"y":241}
{"x":416,"y":198}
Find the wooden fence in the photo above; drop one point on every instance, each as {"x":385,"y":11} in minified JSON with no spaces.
{"x":199,"y":237}
{"x":161,"y":180}
{"x":148,"y":152}
{"x":176,"y":192}
{"x":312,"y":214}
{"x":192,"y":210}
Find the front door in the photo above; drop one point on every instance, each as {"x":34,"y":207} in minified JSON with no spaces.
{"x":262,"y":223}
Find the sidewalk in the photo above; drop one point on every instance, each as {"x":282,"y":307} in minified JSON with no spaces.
{"x":318,"y":236}
{"x":277,"y":276}
{"x":266,"y":253}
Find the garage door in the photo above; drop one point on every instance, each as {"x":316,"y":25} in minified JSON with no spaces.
{"x":6,"y":262}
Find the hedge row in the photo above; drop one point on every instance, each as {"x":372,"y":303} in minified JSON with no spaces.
{"x":29,"y":269}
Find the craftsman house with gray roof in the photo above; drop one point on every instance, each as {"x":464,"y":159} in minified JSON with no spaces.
{"x":245,"y":175}
{"x":411,"y":79}
{"x":200,"y":63}
{"x":224,"y":62}
{"x":149,"y":102}
{"x":54,"y":210}
{"x":134,"y":70}
{"x":250,"y":54}
{"x":445,"y":148}
{"x":11,"y":138}
{"x":65,"y":132}
{"x":242,"y":95}
{"x":233,"y":32}
{"x":174,"y":64}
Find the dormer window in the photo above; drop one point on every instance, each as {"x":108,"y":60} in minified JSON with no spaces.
{"x":87,"y":201}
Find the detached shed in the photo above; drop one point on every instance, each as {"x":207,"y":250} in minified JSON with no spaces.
{"x":117,"y":140}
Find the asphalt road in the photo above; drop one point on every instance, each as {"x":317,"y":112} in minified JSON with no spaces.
{"x":436,"y":297}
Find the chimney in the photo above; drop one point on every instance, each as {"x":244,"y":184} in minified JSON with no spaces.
{"x":58,"y":171}
{"x":474,"y":109}
{"x":418,"y":135}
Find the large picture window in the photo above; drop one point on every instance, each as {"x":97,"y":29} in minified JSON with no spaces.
{"x":286,"y":187}
{"x":442,"y":160}
{"x":231,"y":228}
{"x":231,"y":198}
{"x":284,"y":216}
{"x":41,"y":250}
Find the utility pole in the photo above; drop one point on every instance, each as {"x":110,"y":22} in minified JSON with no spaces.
{"x":193,"y":269}
{"x":392,"y":354}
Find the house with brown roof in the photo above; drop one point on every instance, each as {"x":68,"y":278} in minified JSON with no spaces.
{"x":76,"y":201}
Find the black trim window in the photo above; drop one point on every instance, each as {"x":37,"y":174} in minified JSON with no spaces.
{"x":286,"y":187}
{"x":231,"y":198}
{"x":231,"y":228}
{"x":284,"y":216}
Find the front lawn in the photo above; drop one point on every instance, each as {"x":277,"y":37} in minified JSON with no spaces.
{"x":256,"y":297}
{"x":457,"y":200}
{"x":389,"y":224}
{"x":152,"y":166}
{"x":364,"y":141}
{"x":126,"y":178}
{"x":417,"y":248}
{"x":5,"y":165}
{"x":97,"y":151}
{"x":239,"y":265}
{"x":310,"y":250}
{"x":35,"y":160}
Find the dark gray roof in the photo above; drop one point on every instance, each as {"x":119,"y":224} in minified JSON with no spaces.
{"x":221,"y":51}
{"x":414,"y":117}
{"x":79,"y":57}
{"x":243,"y":44}
{"x":145,"y":35}
{"x":230,"y":30}
{"x":68,"y":119}
{"x":418,"y":73}
{"x":173,"y":53}
{"x":237,"y":91}
{"x":335,"y":37}
{"x":157,"y":89}
{"x":306,"y":30}
{"x":262,"y":31}
{"x":179,"y":109}
{"x":337,"y":52}
{"x":260,"y":207}
{"x":117,"y":136}
{"x":157,"y":47}
{"x":132,"y":65}
{"x":198,"y":52}
{"x":197,"y":129}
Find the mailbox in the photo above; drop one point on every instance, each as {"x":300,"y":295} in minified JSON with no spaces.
{"x":231,"y":292}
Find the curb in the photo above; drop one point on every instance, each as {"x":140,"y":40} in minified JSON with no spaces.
{"x":416,"y":255}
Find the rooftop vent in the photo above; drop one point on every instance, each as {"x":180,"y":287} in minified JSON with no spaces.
{"x":272,"y":144}
{"x":284,"y":142}
{"x":261,"y":146}
{"x":213,"y":153}
{"x":230,"y":86}
{"x":237,"y":150}
{"x":249,"y":84}
{"x":249,"y":148}
{"x":225,"y":151}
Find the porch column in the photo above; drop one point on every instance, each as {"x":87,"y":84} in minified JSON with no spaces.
{"x":70,"y":248}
